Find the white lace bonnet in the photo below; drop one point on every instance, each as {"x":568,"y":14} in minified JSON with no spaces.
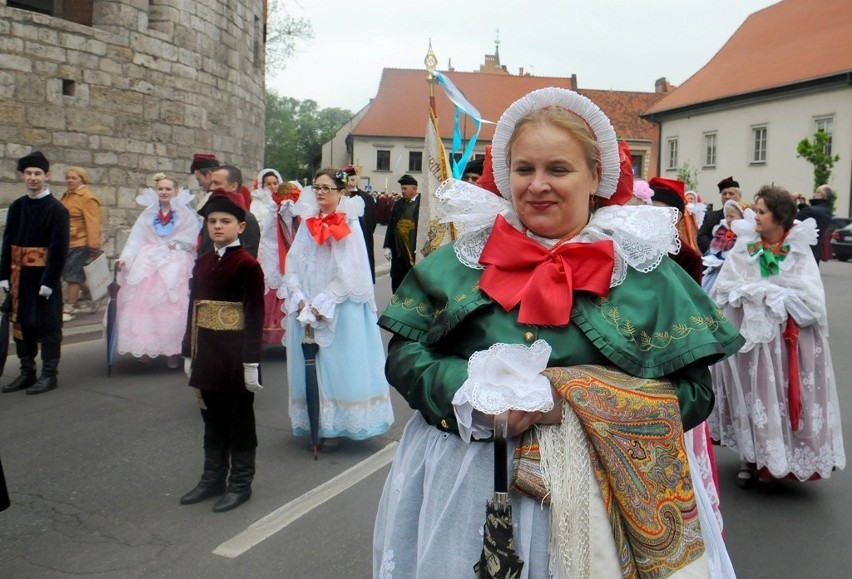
{"x":576,"y":103}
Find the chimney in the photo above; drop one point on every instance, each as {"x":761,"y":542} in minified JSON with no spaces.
{"x":521,"y":71}
{"x":662,"y":86}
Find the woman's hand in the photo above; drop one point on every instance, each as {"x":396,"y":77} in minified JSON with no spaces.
{"x":119,"y":265}
{"x":520,"y":420}
{"x":301,"y":306}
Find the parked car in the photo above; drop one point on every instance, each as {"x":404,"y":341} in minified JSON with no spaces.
{"x":841,"y":242}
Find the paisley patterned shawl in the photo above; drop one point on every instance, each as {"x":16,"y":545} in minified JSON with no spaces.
{"x":640,"y":464}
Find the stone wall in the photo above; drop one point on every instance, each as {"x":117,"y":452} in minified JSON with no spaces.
{"x":138,"y":92}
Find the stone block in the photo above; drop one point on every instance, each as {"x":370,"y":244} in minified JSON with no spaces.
{"x":35,"y":137}
{"x":172,"y":113}
{"x":110,"y":67}
{"x":11,"y":44}
{"x":90,"y":121}
{"x":15,"y":62}
{"x":184,"y":72}
{"x":46,"y":117}
{"x":74,"y":156}
{"x":106,"y":158}
{"x":38,"y":50}
{"x":7,"y":85}
{"x":83,"y":60}
{"x":148,"y":61}
{"x":66,"y":139}
{"x":97,"y":77}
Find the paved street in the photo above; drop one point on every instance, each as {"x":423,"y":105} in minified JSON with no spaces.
{"x":95,"y":470}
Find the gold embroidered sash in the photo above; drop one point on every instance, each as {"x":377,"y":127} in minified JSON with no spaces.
{"x":216,"y":315}
{"x":22,"y":257}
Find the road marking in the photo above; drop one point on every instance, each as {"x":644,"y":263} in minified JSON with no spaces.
{"x":279,"y":518}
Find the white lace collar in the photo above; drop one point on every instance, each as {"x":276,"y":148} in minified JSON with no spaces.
{"x":641,"y":234}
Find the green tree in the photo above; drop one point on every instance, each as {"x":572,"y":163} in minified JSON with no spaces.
{"x":816,"y":153}
{"x":295,"y":133}
{"x":689,"y":176}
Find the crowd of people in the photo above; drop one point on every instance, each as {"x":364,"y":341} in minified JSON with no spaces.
{"x":578,"y":306}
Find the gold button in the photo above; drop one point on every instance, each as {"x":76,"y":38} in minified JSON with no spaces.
{"x":529,"y":337}
{"x":444,"y":423}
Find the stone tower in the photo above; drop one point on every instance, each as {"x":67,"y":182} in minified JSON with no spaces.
{"x":128,"y":88}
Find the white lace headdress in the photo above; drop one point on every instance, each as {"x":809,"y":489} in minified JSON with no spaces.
{"x":642,"y":235}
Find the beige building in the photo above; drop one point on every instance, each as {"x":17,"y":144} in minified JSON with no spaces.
{"x":386,"y":137}
{"x":127,"y":88}
{"x":782,"y":76}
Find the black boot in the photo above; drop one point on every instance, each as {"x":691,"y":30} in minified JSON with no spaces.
{"x":47,"y":381}
{"x":239,"y":482}
{"x":27,"y":377}
{"x":212,"y":483}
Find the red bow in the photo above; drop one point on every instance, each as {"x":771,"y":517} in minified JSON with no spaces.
{"x":334,"y":225}
{"x":519,"y":270}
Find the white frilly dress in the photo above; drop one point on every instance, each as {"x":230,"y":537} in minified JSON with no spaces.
{"x":334,"y":278}
{"x":751,"y":414}
{"x":426,"y":525}
{"x":153,"y":299}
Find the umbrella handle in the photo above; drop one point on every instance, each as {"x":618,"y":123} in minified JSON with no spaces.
{"x":501,"y":475}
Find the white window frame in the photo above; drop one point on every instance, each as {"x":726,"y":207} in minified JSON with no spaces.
{"x":759,"y":141}
{"x":825,"y":123}
{"x":672,"y":153}
{"x":710,"y":141}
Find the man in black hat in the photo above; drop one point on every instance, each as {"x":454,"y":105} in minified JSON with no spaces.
{"x":728,"y":189}
{"x":820,"y":211}
{"x":473,"y":171}
{"x":35,"y":243}
{"x":401,"y":236}
{"x":368,"y":220}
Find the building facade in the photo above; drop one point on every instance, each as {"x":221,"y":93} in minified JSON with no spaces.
{"x":386,"y":138}
{"x":129,"y":88}
{"x":784,"y":75}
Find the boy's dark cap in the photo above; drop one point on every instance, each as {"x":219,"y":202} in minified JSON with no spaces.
{"x":226,"y":202}
{"x":203,"y":161}
{"x":35,"y":159}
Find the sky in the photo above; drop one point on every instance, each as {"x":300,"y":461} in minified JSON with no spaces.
{"x":609,"y":44}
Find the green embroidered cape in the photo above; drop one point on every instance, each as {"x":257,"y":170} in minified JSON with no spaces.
{"x":653,"y":325}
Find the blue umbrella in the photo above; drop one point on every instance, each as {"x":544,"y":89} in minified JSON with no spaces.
{"x":112,"y":322}
{"x":310,"y":349}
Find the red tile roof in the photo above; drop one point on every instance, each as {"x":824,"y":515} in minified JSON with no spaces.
{"x":783,"y":44}
{"x":400,"y":108}
{"x":623,"y":109}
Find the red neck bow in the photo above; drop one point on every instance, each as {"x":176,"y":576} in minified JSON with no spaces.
{"x":543,"y":281}
{"x":334,"y":225}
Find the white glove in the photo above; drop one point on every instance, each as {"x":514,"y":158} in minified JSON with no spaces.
{"x":5,"y":284}
{"x":388,"y":254}
{"x":187,"y":367}
{"x":44,"y":291}
{"x":250,"y":376}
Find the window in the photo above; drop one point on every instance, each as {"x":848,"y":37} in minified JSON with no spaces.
{"x":758,"y":139}
{"x":415,"y":161}
{"x":79,"y":11}
{"x":672,"y":150}
{"x":826,"y":125}
{"x":637,"y":162}
{"x":382,"y":160}
{"x":710,"y":150}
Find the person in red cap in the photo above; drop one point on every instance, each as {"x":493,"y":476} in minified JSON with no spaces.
{"x":728,"y":189}
{"x":670,"y":193}
{"x":222,"y":348}
{"x":201,"y":167}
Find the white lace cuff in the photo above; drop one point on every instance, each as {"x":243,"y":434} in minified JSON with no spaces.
{"x":325,"y":305}
{"x":504,"y":377}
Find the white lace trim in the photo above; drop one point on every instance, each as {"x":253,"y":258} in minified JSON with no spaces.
{"x":567,"y":471}
{"x":641,"y":234}
{"x":503,"y":377}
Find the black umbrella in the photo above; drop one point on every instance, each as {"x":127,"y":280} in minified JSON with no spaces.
{"x":310,"y":349}
{"x":498,"y":559}
{"x":112,"y":322}
{"x":4,"y":330}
